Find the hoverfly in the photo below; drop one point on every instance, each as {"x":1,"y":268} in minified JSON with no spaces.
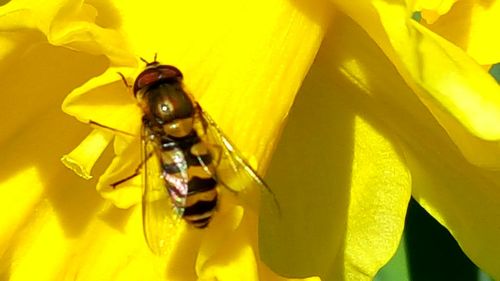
{"x":186,"y":157}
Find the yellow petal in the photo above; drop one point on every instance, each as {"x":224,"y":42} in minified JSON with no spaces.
{"x":456,"y":82}
{"x":48,"y":203}
{"x":127,"y":163}
{"x":476,"y":22}
{"x":20,"y":194}
{"x":86,"y":36}
{"x":113,"y":248}
{"x":83,"y":157}
{"x":32,"y":14}
{"x":380,"y":191}
{"x":469,"y":93}
{"x":432,"y":10}
{"x":71,"y":24}
{"x":34,"y":79}
{"x":449,"y":82}
{"x":337,"y":172}
{"x":106,"y":101}
{"x":464,"y":198}
{"x":40,"y":199}
{"x":233,"y":228}
{"x":228,"y":231}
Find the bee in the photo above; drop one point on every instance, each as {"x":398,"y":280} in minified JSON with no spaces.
{"x":187,"y":159}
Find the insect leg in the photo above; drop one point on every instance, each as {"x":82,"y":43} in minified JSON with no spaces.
{"x":111,"y":129}
{"x":124,"y":80}
{"x":135,"y":174}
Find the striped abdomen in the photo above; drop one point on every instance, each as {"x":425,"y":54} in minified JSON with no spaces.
{"x":192,"y":190}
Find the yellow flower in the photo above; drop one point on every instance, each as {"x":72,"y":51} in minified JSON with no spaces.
{"x":238,"y":68}
{"x":389,"y":109}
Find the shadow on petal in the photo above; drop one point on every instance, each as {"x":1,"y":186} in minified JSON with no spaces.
{"x":38,"y":133}
{"x":310,"y":175}
{"x":108,"y":15}
{"x":312,"y":172}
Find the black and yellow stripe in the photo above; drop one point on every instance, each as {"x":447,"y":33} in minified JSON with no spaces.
{"x":202,"y":195}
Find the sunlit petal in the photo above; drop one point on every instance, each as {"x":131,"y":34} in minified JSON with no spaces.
{"x":459,"y":92}
{"x":47,"y":205}
{"x":477,"y":22}
{"x":106,"y":101}
{"x":432,"y":10}
{"x":343,"y":183}
{"x":461,"y":196}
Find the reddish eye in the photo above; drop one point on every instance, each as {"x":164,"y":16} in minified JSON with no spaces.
{"x":168,"y":71}
{"x":153,"y":74}
{"x":146,"y":79}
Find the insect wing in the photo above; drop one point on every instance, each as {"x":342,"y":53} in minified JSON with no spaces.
{"x":160,"y":220}
{"x":232,"y":171}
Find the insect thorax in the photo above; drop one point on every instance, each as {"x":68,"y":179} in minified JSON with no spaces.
{"x":166,"y":103}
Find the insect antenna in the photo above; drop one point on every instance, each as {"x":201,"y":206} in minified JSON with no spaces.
{"x":154,"y":62}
